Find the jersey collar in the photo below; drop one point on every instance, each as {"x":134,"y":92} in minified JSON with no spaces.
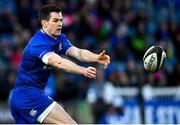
{"x":50,"y":37}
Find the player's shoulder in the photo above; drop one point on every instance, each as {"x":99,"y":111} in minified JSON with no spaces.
{"x":39,"y":36}
{"x":38,"y":39}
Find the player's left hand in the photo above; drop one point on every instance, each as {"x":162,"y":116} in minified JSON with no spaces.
{"x":103,"y":59}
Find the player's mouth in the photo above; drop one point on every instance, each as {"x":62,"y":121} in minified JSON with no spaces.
{"x":59,"y":29}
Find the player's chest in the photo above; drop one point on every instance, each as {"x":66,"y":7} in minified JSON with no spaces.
{"x":57,"y":47}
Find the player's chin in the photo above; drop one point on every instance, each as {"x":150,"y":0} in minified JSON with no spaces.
{"x":58,"y":33}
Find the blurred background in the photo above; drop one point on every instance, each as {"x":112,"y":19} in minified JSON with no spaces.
{"x":122,"y":93}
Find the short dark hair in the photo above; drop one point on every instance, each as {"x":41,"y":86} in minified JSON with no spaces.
{"x":44,"y":11}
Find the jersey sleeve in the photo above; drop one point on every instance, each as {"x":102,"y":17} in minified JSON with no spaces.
{"x":66,"y":44}
{"x":39,"y":49}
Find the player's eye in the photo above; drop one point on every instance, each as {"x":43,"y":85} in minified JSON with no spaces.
{"x":55,"y":20}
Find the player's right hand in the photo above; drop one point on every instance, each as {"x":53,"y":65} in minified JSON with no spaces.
{"x":90,"y":72}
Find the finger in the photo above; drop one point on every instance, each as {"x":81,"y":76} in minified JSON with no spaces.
{"x":103,"y":52}
{"x":107,"y":57}
{"x":92,"y":76}
{"x":92,"y":68}
{"x":108,"y":61}
{"x":105,"y":65}
{"x":92,"y":72}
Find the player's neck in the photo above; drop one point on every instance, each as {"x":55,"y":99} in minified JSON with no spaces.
{"x":46,"y":32}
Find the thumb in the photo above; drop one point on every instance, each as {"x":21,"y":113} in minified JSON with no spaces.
{"x":103,"y":52}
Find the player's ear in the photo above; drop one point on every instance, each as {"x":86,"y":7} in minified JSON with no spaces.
{"x":44,"y":23}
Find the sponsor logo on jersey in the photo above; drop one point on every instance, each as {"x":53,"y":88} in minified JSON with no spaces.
{"x":60,"y":47}
{"x":33,"y":112}
{"x":47,"y":67}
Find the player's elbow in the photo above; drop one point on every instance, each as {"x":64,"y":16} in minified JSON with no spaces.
{"x":54,"y":60}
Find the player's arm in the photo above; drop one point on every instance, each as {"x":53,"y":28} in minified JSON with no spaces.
{"x":87,"y":56}
{"x":60,"y":63}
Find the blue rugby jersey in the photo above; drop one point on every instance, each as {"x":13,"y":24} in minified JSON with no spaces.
{"x":32,"y":71}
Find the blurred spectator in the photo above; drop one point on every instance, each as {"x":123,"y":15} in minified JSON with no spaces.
{"x":114,"y":113}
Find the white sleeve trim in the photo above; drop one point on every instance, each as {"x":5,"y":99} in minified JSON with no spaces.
{"x":45,"y":59}
{"x":41,"y":118}
{"x":66,"y":53}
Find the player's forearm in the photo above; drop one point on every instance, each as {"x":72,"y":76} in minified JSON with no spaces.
{"x":64,"y":64}
{"x":69,"y":66}
{"x":87,"y":56}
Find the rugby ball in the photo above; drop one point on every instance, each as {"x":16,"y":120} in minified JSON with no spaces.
{"x":154,"y":59}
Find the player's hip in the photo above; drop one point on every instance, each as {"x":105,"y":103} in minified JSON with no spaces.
{"x":28,"y":103}
{"x":27,"y":96}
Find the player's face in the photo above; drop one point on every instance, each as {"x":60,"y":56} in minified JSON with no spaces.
{"x":54,"y":25}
